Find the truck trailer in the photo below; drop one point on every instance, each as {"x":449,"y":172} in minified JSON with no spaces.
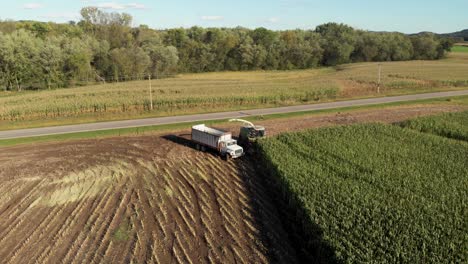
{"x":206,"y":137}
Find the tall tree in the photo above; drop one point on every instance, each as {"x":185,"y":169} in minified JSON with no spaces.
{"x":163,"y":60}
{"x":338,"y":42}
{"x":77,"y":61}
{"x":51,"y":62}
{"x":130,"y":63}
{"x":18,"y":56}
{"x":425,"y":47}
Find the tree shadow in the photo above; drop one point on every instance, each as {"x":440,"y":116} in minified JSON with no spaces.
{"x":305,"y":236}
{"x":266,"y":218}
{"x":266,"y":214}
{"x":284,"y":229}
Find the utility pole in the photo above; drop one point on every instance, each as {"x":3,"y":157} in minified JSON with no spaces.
{"x":380,"y":72}
{"x":151,"y":92}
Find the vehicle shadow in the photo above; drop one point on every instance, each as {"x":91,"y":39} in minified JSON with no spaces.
{"x":184,"y":140}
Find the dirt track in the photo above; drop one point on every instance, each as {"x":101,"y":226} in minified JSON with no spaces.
{"x":147,"y":199}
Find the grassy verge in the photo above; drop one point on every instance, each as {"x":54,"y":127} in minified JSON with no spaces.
{"x":461,"y":100}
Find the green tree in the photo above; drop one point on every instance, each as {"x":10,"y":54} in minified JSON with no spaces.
{"x":366,"y":47}
{"x":51,"y":61}
{"x":163,"y":60}
{"x":77,"y":61}
{"x":264,"y":37}
{"x":40,"y":29}
{"x":18,"y":59}
{"x":401,"y":47}
{"x":130,"y":63}
{"x":425,"y":47}
{"x":338,"y":42}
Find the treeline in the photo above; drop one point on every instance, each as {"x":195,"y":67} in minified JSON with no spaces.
{"x":103,"y":47}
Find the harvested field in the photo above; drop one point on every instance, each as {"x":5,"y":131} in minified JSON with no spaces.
{"x":134,"y":200}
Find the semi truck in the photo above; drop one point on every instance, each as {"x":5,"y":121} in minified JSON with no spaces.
{"x":206,"y":137}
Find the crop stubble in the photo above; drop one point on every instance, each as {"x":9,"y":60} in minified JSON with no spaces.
{"x":139,"y":200}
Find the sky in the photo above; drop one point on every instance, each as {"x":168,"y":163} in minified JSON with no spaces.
{"x":407,"y":16}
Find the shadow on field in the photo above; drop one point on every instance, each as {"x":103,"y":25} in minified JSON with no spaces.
{"x":181,"y":139}
{"x":305,"y":236}
{"x":271,"y":237}
{"x":284,"y":228}
{"x":267,"y":215}
{"x":184,"y":140}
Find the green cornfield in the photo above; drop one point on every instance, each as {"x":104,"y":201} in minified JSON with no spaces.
{"x":451,"y":125}
{"x":372,"y":193}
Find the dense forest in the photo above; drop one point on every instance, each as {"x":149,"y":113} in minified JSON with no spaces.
{"x":103,"y":47}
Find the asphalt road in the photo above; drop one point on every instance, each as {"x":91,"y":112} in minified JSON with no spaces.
{"x":34,"y":132}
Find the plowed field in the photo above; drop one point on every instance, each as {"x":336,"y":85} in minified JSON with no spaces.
{"x":135,"y":200}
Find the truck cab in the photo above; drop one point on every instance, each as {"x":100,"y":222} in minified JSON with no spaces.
{"x":231,"y":148}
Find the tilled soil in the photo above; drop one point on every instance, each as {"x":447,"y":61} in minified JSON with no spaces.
{"x":148,"y":199}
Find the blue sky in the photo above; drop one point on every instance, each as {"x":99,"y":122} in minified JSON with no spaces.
{"x":408,"y":16}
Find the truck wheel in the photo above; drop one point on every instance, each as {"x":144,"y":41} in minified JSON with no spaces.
{"x":227,"y":157}
{"x":197,"y":146}
{"x":203,"y":148}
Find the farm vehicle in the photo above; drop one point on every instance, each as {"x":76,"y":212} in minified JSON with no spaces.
{"x":249,"y":133}
{"x":221,"y":141}
{"x":216,"y":139}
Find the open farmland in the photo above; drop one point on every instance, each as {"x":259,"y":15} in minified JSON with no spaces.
{"x":134,"y":200}
{"x":150,"y":199}
{"x":451,"y":125}
{"x":210,"y":92}
{"x":372,"y":193}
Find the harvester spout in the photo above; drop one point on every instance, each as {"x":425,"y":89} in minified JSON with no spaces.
{"x":246,"y":123}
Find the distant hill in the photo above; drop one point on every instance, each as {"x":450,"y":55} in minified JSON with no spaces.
{"x":460,"y":34}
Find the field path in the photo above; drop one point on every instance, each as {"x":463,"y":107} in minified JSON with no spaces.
{"x":33,"y":132}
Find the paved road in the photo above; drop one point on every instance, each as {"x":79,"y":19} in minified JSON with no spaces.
{"x":33,"y":132}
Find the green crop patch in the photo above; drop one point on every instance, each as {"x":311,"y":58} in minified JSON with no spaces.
{"x":451,"y":125}
{"x":460,"y":49}
{"x":371,"y":193}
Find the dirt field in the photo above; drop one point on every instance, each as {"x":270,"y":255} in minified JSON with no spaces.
{"x":134,"y":200}
{"x":148,"y":199}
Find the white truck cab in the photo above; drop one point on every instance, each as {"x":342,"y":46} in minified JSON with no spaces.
{"x":232,"y":149}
